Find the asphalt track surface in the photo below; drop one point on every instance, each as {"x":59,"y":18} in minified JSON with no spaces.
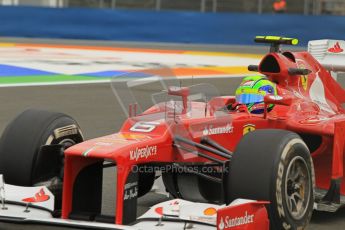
{"x":98,"y":113}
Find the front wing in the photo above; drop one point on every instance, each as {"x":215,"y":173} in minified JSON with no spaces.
{"x":34,"y":205}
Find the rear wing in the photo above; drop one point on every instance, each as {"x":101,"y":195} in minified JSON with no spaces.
{"x":329,"y":53}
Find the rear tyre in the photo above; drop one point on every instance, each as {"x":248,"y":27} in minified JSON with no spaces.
{"x":275,"y":165}
{"x":30,"y":149}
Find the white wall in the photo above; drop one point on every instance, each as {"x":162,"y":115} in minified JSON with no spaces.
{"x":46,"y":3}
{"x":9,"y":2}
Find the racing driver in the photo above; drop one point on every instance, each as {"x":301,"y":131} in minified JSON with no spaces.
{"x":252,"y":91}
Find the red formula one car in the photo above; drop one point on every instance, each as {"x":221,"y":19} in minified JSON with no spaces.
{"x":289,"y":159}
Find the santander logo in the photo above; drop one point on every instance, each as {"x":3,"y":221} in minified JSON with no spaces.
{"x":39,"y":197}
{"x":228,"y":222}
{"x":210,"y":130}
{"x":336,"y":48}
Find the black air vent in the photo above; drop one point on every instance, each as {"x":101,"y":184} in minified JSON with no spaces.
{"x":290,"y":56}
{"x":270,"y":65}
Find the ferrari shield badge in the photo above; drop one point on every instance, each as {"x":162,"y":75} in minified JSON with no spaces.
{"x":248,"y":128}
{"x":303,"y":78}
{"x":304,"y":82}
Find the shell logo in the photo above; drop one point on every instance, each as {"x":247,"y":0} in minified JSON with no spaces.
{"x":159,"y":211}
{"x":210,"y":211}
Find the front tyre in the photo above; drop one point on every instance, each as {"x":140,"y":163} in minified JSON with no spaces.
{"x":275,"y":165}
{"x":31,"y":149}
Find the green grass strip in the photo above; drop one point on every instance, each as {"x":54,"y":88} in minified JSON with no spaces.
{"x":46,"y":79}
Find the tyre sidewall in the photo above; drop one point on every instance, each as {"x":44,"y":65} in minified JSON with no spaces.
{"x":258,"y":169}
{"x":21,"y":142}
{"x":278,"y":208}
{"x":50,"y":137}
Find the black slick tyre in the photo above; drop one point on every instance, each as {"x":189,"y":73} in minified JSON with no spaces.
{"x":276,"y":166}
{"x":31,"y":148}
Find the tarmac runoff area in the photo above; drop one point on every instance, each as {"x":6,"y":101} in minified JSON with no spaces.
{"x":97,"y":111}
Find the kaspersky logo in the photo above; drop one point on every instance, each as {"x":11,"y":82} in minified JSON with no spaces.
{"x":336,"y":48}
{"x":145,"y":152}
{"x":228,"y":222}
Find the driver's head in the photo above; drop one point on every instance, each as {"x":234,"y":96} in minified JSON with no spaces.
{"x":252,"y":91}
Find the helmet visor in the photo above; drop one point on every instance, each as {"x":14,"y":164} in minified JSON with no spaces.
{"x":247,"y":98}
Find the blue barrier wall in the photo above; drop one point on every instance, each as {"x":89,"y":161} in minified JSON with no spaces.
{"x":166,"y":26}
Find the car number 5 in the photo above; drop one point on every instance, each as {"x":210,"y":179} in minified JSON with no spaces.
{"x":144,"y":126}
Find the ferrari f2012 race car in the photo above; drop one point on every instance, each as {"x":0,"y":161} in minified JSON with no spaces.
{"x":226,"y":167}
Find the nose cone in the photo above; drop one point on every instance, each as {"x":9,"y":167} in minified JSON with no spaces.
{"x":107,"y":146}
{"x":127,"y":148}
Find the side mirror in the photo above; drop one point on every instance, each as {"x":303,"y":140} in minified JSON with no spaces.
{"x":178,"y":91}
{"x":277,"y":100}
{"x":182,"y":92}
